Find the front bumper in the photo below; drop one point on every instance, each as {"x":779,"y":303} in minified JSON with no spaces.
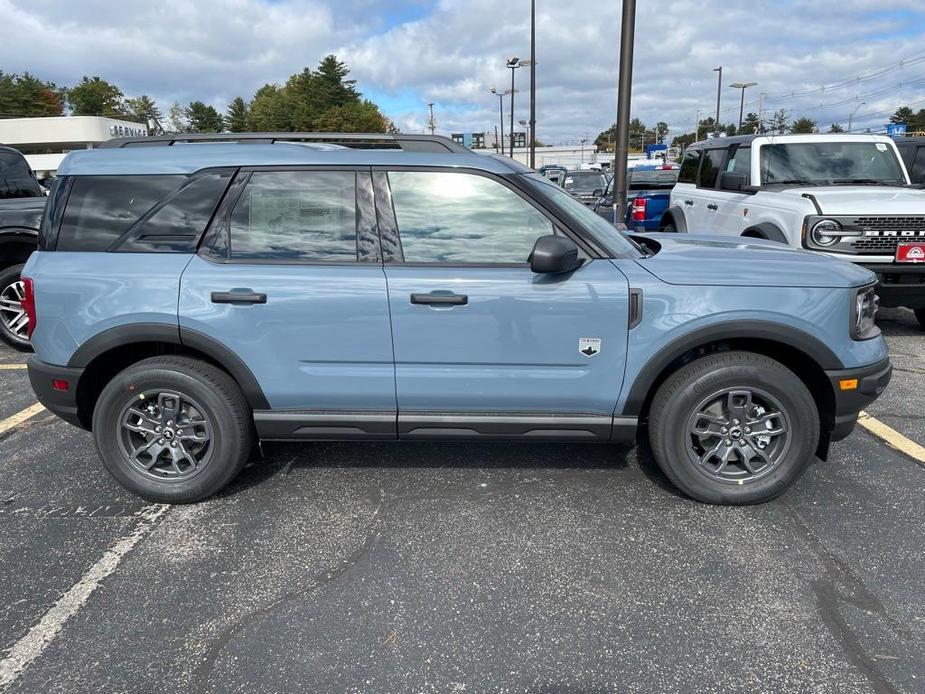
{"x":871,"y":382}
{"x":899,"y":285}
{"x":62,"y":403}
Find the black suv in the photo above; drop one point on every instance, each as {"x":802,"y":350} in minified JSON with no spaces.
{"x":22,"y":201}
{"x":912,"y":150}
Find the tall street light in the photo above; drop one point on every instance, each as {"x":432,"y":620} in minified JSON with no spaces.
{"x":853,"y":114}
{"x":500,"y":95}
{"x":513,"y":63}
{"x":624,"y":92}
{"x":719,"y":96}
{"x":743,"y":86}
{"x":532,"y":84}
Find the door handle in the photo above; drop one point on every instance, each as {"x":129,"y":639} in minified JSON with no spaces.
{"x":240,"y":297}
{"x":711,"y":206}
{"x":689,"y":202}
{"x":440,"y":299}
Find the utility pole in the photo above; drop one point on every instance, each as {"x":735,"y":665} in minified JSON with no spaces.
{"x":719,"y":96}
{"x":533,"y":84}
{"x":697,"y":127}
{"x":853,"y":113}
{"x":624,"y":92}
{"x":761,"y":98}
{"x":433,"y":122}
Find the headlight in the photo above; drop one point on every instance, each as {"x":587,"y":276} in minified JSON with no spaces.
{"x":864,"y":314}
{"x":826,"y":232}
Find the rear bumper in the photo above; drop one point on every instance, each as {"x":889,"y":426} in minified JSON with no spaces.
{"x":899,"y":285}
{"x":871,"y":382}
{"x":62,"y":403}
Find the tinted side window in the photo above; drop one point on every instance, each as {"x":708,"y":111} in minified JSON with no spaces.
{"x":296,"y":215}
{"x":740,"y":161}
{"x":709,"y":170}
{"x":688,"y":173}
{"x":177,"y":226}
{"x":917,"y":172}
{"x":102,"y":208}
{"x":463,"y":218}
{"x":16,"y":179}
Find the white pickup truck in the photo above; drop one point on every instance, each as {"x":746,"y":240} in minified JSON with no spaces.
{"x":848,"y":196}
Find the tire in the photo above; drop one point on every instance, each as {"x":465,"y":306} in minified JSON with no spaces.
{"x":698,"y":397}
{"x":920,"y":316}
{"x":13,"y":322}
{"x":189,"y":403}
{"x":669,"y":228}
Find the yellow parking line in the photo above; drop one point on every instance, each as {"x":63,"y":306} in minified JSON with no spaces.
{"x":13,"y":367}
{"x":20,"y":417}
{"x":892,"y":437}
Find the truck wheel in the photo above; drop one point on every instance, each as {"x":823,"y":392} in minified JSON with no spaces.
{"x":733,"y":428}
{"x":173,"y":429}
{"x":920,"y":316}
{"x":669,"y":228}
{"x":14,"y":323}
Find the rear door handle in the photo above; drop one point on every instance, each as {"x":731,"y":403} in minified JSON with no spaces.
{"x":689,"y":202}
{"x":239,"y":297}
{"x":711,"y":206}
{"x":440,"y":299}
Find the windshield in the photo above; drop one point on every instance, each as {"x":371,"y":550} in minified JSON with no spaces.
{"x":585,"y":182}
{"x":16,"y":179}
{"x":602,"y":230}
{"x":830,"y":163}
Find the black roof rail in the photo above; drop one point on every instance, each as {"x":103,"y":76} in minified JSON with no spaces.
{"x":433,"y":144}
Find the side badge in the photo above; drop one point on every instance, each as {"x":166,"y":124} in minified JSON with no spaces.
{"x":589,"y":346}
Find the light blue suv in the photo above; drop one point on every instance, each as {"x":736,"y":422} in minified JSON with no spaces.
{"x":192,"y":296}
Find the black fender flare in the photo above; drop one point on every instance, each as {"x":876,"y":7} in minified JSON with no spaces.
{"x":675,"y":215}
{"x":767,"y":331}
{"x":767,"y":231}
{"x":123,"y":335}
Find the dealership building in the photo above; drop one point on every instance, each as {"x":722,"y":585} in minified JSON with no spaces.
{"x":45,"y":141}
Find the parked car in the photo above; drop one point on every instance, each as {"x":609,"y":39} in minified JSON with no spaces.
{"x":586,"y":186}
{"x":846,"y":196}
{"x":556,"y":174}
{"x":912,"y":150}
{"x":648,"y":193}
{"x":188,"y":301}
{"x":22,"y":200}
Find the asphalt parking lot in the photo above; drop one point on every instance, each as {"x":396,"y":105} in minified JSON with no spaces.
{"x":463,"y":567}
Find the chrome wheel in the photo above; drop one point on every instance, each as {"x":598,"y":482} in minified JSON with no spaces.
{"x":738,"y":435}
{"x":165,"y":435}
{"x":12,"y":314}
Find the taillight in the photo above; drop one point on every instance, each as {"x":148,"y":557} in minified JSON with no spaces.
{"x":28,"y":304}
{"x":639,"y":209}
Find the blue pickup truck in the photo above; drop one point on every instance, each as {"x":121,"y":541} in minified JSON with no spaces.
{"x":649,"y":189}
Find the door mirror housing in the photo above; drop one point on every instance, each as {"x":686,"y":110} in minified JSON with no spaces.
{"x":553,"y":255}
{"x":733,"y":181}
{"x":598,"y":192}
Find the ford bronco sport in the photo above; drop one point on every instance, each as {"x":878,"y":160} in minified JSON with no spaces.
{"x":21,"y":203}
{"x":847,"y":196}
{"x":190,"y":297}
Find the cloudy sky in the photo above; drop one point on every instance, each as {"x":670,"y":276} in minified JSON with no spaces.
{"x":406,"y":53}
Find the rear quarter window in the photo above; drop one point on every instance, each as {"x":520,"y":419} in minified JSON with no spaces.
{"x":688,"y":173}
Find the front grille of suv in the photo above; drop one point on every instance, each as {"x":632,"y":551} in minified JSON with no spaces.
{"x":879,"y":233}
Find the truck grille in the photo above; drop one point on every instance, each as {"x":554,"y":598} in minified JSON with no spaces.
{"x":883,"y":234}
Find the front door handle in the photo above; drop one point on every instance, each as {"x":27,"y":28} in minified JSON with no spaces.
{"x":711,"y":206}
{"x":689,"y":202}
{"x":239,"y":297}
{"x":434,"y":299}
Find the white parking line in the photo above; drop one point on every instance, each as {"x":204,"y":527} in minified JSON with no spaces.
{"x":20,"y":417}
{"x":13,"y":367}
{"x":37,"y":639}
{"x":892,"y":437}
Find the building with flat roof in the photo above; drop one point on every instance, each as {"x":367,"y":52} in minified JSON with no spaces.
{"x":45,"y":141}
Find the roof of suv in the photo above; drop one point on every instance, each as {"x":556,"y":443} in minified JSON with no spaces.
{"x":168,"y":155}
{"x":746,"y":140}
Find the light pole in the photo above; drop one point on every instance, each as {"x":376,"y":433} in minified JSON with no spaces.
{"x":527,"y":127}
{"x":719,"y":96}
{"x":743,"y":86}
{"x":624,"y":92}
{"x":513,"y":63}
{"x":432,"y":124}
{"x":500,"y":95}
{"x":853,"y":113}
{"x":532,"y":84}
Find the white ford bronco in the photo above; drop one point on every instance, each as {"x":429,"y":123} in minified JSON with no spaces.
{"x":847,"y":196}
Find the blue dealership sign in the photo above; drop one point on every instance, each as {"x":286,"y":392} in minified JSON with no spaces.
{"x":896,"y":129}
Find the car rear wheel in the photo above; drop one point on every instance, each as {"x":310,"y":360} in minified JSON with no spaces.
{"x":733,"y":428}
{"x":173,"y":429}
{"x":14,"y":323}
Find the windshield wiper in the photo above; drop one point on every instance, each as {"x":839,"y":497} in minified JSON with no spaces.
{"x":865,"y":182}
{"x":792,"y":181}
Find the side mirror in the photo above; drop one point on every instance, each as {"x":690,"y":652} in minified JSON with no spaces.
{"x":554,"y":255}
{"x":598,"y":192}
{"x":733,"y":181}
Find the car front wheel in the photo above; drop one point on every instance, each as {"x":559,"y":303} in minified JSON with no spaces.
{"x":733,"y":428}
{"x":173,"y":429}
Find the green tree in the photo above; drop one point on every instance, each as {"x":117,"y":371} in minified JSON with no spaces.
{"x":903,"y":115}
{"x":96,"y":97}
{"x":142,"y":109}
{"x":836,"y":128}
{"x":179,"y":121}
{"x":605,"y":141}
{"x":803,"y":126}
{"x":26,"y":96}
{"x":750,"y":125}
{"x":637,"y":131}
{"x":236,"y":115}
{"x":203,"y":118}
{"x":780,"y":122}
{"x":270,"y":110}
{"x":684,"y":141}
{"x":661,"y":132}
{"x":358,"y":117}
